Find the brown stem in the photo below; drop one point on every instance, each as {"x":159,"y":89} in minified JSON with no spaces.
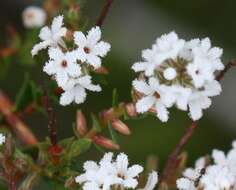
{"x":173,"y":157}
{"x":172,"y":160}
{"x":51,"y":119}
{"x":221,"y":75}
{"x":12,"y":185}
{"x":104,"y":13}
{"x":19,"y":127}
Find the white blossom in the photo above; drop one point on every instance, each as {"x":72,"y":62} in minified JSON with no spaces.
{"x":109,"y":173}
{"x":184,"y":72}
{"x":33,"y":17}
{"x":200,"y":99}
{"x":62,"y":66}
{"x":219,"y":175}
{"x":75,"y":90}
{"x":90,"y":48}
{"x":51,"y":37}
{"x":167,"y":46}
{"x":127,"y":174}
{"x":152,"y":97}
{"x":2,"y":139}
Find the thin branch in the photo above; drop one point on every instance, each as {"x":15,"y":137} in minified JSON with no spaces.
{"x":173,"y":157}
{"x":19,"y":127}
{"x":51,"y":118}
{"x":172,"y":160}
{"x":104,"y":13}
{"x":221,"y":75}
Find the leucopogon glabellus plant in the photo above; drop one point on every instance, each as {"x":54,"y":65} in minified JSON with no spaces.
{"x":174,"y":72}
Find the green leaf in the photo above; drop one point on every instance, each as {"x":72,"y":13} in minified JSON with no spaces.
{"x":78,"y":147}
{"x":112,"y":133}
{"x":28,"y":94}
{"x":96,"y":124}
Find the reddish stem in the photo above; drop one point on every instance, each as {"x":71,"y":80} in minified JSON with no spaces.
{"x":221,"y":75}
{"x":104,"y":13}
{"x":172,"y":160}
{"x":51,"y":119}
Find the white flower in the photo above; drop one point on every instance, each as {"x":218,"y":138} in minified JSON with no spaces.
{"x":152,"y":96}
{"x":90,"y":48}
{"x":152,"y":181}
{"x":218,"y":178}
{"x":75,"y":90}
{"x":2,"y":139}
{"x":185,"y":71}
{"x":33,"y":17}
{"x":113,"y":173}
{"x":62,"y":66}
{"x":200,"y":100}
{"x":166,"y":47}
{"x":127,"y":174}
{"x":51,"y":36}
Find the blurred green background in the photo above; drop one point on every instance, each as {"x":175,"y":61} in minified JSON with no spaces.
{"x":133,"y":25}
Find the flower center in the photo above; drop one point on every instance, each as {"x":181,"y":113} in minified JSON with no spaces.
{"x":121,"y":176}
{"x":86,"y":50}
{"x":157,"y":95}
{"x":64,"y":63}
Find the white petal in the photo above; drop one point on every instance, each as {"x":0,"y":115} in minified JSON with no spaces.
{"x":90,"y":165}
{"x":219,"y":157}
{"x":57,"y":24}
{"x":142,"y":87}
{"x":152,"y":181}
{"x":162,"y":112}
{"x":80,"y":94}
{"x":86,"y":82}
{"x":62,"y":77}
{"x":139,"y":66}
{"x":91,"y":186}
{"x":94,"y":35}
{"x":134,"y":171}
{"x":49,"y":68}
{"x":94,"y":60}
{"x":101,"y":49}
{"x":40,"y":46}
{"x":81,"y":55}
{"x":80,"y":39}
{"x":45,"y":33}
{"x":145,"y":103}
{"x":122,"y":162}
{"x":67,"y":97}
{"x":130,"y":183}
{"x":55,"y":54}
{"x":81,"y":178}
{"x":195,"y":110}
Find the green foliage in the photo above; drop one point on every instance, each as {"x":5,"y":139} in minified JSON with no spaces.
{"x":28,"y":94}
{"x":96,"y":124}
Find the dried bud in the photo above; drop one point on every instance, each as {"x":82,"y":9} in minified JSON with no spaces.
{"x":120,"y":127}
{"x":69,"y":35}
{"x":58,"y":91}
{"x":131,"y":110}
{"x":81,"y":124}
{"x":105,"y":142}
{"x":102,"y":70}
{"x":70,"y":182}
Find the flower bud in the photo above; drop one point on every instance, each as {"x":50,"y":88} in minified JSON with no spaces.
{"x":102,"y":70}
{"x":131,"y":110}
{"x":120,"y":127}
{"x":81,"y":124}
{"x":105,"y":142}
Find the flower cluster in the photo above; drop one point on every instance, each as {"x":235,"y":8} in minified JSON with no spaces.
{"x":71,"y":68}
{"x":218,"y":176}
{"x":110,"y":174}
{"x":177,"y":72}
{"x":2,"y":139}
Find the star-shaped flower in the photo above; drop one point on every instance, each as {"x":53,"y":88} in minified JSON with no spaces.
{"x":62,"y":66}
{"x":90,"y":48}
{"x":51,"y":36}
